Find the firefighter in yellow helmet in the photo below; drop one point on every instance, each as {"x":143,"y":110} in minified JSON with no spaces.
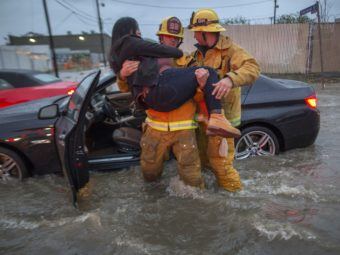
{"x":171,"y":30}
{"x":235,"y":67}
{"x":174,"y":130}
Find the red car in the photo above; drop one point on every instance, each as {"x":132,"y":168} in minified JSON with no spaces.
{"x":18,"y":86}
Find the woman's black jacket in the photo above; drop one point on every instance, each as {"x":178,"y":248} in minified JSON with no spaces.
{"x":132,"y":47}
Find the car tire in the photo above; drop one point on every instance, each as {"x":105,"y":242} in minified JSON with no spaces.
{"x":256,"y":141}
{"x":11,"y":164}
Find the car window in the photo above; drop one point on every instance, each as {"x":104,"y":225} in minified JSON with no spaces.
{"x":112,"y":88}
{"x":78,"y":97}
{"x":5,"y":85}
{"x":46,"y":78}
{"x":19,"y":80}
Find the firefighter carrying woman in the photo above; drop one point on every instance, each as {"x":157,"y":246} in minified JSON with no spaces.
{"x":171,"y":85}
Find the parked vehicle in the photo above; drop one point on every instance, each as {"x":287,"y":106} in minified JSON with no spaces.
{"x":96,"y":130}
{"x":277,"y":115}
{"x":19,"y":86}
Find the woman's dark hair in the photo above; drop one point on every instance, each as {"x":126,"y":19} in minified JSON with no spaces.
{"x":123,"y":26}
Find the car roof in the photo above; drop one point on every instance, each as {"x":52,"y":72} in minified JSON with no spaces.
{"x":20,"y":71}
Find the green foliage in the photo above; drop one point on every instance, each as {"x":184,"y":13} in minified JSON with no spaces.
{"x":236,"y":21}
{"x":150,"y":40}
{"x":293,"y":18}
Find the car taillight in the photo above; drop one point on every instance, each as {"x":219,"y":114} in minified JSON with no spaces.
{"x":311,"y":101}
{"x":70,"y":92}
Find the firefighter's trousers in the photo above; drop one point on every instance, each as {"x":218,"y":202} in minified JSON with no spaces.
{"x":156,"y":146}
{"x":222,"y":166}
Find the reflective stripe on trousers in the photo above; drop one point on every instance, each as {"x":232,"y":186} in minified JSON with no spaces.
{"x":171,"y":126}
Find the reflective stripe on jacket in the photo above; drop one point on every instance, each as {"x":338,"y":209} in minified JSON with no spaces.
{"x":181,"y":118}
{"x":229,"y":59}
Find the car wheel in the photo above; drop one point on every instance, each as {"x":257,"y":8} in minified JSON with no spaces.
{"x":12,"y":165}
{"x":256,"y":141}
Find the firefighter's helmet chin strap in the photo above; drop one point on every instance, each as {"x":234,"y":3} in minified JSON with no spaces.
{"x":180,"y":42}
{"x":217,"y":38}
{"x":204,"y":36}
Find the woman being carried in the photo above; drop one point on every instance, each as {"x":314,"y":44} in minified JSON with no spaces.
{"x":156,"y":84}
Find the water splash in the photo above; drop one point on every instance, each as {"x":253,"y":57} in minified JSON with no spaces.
{"x":297,"y":191}
{"x":177,"y":188}
{"x":132,"y":243}
{"x":272,"y":230}
{"x":10,"y":223}
{"x":18,"y":224}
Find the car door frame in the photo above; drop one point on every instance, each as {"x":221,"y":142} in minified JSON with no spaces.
{"x":70,"y":144}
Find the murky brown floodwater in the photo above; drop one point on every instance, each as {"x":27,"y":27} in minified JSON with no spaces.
{"x":289,"y":205}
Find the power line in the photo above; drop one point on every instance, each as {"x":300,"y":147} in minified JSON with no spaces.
{"x":191,"y":8}
{"x":81,"y":19}
{"x":79,"y":11}
{"x":64,"y":20}
{"x":87,"y":17}
{"x":186,"y":20}
{"x":90,"y":20}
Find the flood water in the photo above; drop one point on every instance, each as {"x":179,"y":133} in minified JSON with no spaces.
{"x":289,"y":205}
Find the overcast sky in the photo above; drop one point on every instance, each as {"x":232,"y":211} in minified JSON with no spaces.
{"x":18,"y":17}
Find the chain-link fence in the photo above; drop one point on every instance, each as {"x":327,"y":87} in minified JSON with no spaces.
{"x":285,"y":48}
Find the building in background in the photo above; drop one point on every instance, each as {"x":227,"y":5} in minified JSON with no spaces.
{"x":74,"y":51}
{"x":37,"y":57}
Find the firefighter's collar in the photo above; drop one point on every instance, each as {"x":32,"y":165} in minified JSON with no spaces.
{"x":182,"y":61}
{"x":203,"y":49}
{"x":223,"y":43}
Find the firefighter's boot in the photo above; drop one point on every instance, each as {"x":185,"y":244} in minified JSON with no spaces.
{"x":220,"y":126}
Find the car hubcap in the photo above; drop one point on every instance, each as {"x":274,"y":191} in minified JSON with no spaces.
{"x":8,"y":167}
{"x":255,"y":143}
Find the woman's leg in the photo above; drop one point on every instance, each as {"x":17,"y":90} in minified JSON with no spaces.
{"x":213,"y":104}
{"x":176,"y":86}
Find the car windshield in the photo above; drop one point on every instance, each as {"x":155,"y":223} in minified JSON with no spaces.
{"x":46,"y":78}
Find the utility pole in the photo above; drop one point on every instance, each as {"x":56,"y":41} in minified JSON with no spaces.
{"x":101,"y":32}
{"x":275,"y":6}
{"x":320,"y":44}
{"x":54,"y":59}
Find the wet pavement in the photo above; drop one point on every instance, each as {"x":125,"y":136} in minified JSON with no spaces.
{"x":289,"y":205}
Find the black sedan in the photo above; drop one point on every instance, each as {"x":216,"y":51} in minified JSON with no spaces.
{"x":277,"y":115}
{"x":95,"y":129}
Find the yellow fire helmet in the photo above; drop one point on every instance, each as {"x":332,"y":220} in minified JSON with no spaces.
{"x":171,"y":26}
{"x":205,"y":20}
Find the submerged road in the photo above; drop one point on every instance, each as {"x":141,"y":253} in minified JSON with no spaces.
{"x":290,"y":205}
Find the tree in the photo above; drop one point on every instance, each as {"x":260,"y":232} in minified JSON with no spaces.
{"x":150,"y":40}
{"x":236,"y":21}
{"x":293,"y":18}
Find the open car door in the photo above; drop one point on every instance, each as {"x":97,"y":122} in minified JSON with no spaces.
{"x":69,"y":135}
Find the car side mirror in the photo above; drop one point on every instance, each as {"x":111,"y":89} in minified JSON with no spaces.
{"x":49,"y":112}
